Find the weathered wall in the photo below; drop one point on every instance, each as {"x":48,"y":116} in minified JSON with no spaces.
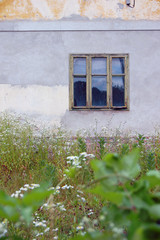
{"x":34,"y":76}
{"x":58,"y":9}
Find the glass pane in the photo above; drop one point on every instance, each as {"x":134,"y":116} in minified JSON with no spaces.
{"x":79,"y":66}
{"x":99,"y":91}
{"x":118,"y":91}
{"x":117,"y":65}
{"x":79,"y":91}
{"x":99,"y":65}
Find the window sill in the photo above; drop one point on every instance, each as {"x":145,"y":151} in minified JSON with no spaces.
{"x":100,"y":109}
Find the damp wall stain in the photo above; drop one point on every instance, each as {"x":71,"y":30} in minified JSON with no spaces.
{"x":58,"y":9}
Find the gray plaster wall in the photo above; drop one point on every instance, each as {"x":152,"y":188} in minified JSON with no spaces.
{"x":34,"y":75}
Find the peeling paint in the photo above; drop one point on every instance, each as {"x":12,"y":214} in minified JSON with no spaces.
{"x":43,"y":7}
{"x":57,"y":9}
{"x":121,"y":6}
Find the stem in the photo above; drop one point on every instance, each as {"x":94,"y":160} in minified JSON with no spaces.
{"x":106,"y":177}
{"x":51,"y":196}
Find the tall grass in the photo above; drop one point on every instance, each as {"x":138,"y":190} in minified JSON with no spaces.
{"x":33,"y":155}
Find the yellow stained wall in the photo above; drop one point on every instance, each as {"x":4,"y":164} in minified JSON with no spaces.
{"x":57,"y":9}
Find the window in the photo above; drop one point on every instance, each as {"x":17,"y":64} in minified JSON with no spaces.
{"x":99,"y":81}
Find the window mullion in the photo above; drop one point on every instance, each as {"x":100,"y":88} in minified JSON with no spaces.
{"x":110,"y":81}
{"x":71,"y":93}
{"x":89,"y":84}
{"x":126,"y":82}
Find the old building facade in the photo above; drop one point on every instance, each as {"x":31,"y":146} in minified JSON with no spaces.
{"x":81,"y":63}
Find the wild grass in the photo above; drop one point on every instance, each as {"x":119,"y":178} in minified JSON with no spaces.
{"x":31,"y":155}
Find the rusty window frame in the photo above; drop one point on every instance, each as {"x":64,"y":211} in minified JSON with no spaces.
{"x":108,"y":84}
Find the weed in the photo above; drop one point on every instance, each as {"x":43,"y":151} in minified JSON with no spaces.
{"x":29,"y":154}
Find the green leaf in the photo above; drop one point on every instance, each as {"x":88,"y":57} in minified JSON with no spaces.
{"x":156,"y":196}
{"x":153,"y":178}
{"x":147,"y":232}
{"x":99,"y":168}
{"x":11,"y":213}
{"x":152,"y":231}
{"x":71,"y":172}
{"x":99,"y":190}
{"x":155,"y":211}
{"x":129,"y":164}
{"x":139,"y":202}
{"x":139,"y":234}
{"x":114,"y":197}
{"x":103,"y":174}
{"x":36,"y":197}
{"x":140,"y":195}
{"x":111,"y":159}
{"x":7,"y":200}
{"x":27,"y":214}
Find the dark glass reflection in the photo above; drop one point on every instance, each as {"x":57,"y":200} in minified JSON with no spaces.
{"x":117,"y":65}
{"x":79,"y":66}
{"x":99,"y":93}
{"x":99,"y":65}
{"x":118,"y":91}
{"x":79,"y":91}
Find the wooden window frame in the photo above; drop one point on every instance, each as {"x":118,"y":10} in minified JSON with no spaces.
{"x":108,"y":84}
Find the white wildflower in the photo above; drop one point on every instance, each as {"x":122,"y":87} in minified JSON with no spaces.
{"x":47,"y":229}
{"x":90,"y":213}
{"x":31,"y":187}
{"x":35,"y":185}
{"x":84,"y":154}
{"x":83,"y":199}
{"x":3,"y":230}
{"x":62,"y":208}
{"x":16,"y":195}
{"x":39,"y":234}
{"x":40,"y":224}
{"x":55,"y":230}
{"x":45,"y":205}
{"x":80,"y":191}
{"x":17,"y":192}
{"x":72,"y":158}
{"x":79,"y":227}
{"x":56,"y":192}
{"x":58,"y":204}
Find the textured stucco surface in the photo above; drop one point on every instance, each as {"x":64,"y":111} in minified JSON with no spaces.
{"x":38,"y":102}
{"x":34,"y":77}
{"x":58,"y":9}
{"x":78,"y":24}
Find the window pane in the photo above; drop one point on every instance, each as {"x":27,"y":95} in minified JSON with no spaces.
{"x":118,"y":91}
{"x":79,"y":91}
{"x":99,"y":91}
{"x":99,"y":65}
{"x":117,"y":65}
{"x":79,"y":66}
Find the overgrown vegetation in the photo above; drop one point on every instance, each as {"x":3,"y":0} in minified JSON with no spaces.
{"x":65,"y":165}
